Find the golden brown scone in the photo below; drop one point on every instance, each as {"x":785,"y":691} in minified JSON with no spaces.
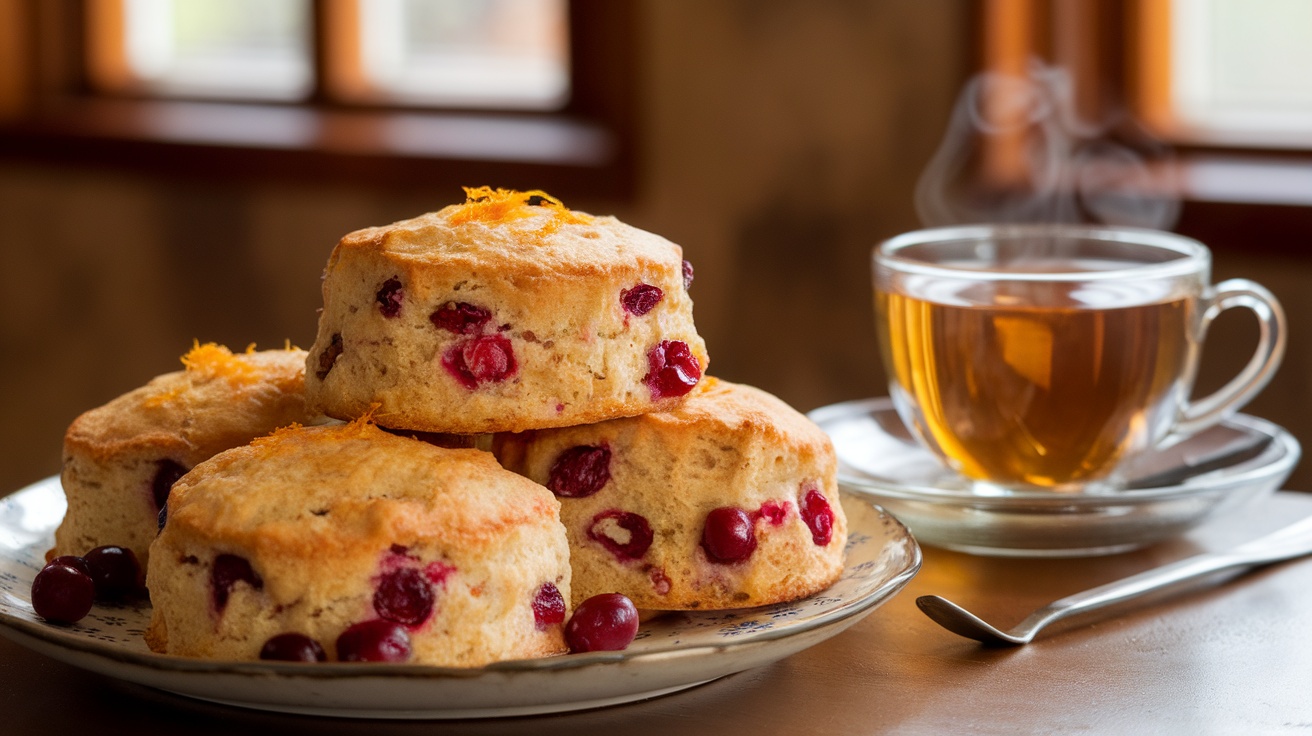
{"x":639,"y":497}
{"x":120,"y":459}
{"x":315,"y":529}
{"x":505,"y":313}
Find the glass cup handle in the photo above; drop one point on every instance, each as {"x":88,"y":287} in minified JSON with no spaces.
{"x":1205,"y":412}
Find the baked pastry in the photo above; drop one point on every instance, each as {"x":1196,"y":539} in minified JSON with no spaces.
{"x":505,"y":313}
{"x":728,"y":500}
{"x":121,"y":459}
{"x":341,"y":534}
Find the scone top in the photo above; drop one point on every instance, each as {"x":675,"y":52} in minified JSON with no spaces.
{"x":505,"y":313}
{"x":529,"y":232}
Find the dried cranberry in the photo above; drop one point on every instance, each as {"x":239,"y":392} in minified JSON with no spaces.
{"x":293,"y":647}
{"x":774,"y":512}
{"x":404,"y":596}
{"x":819,"y":517}
{"x":389,"y":297}
{"x":687,"y":275}
{"x":167,"y":473}
{"x":580,"y":471}
{"x":227,"y":571}
{"x":374,"y":641}
{"x":485,"y":359}
{"x":462,"y":318}
{"x":328,"y":358}
{"x":639,"y":535}
{"x":548,"y":606}
{"x":602,"y":623}
{"x":62,"y":594}
{"x":674,"y":369}
{"x":641,"y":299}
{"x":116,"y":572}
{"x":728,"y":535}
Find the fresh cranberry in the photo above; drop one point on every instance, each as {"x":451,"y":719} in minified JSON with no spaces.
{"x":73,"y":561}
{"x":819,"y":517}
{"x":639,"y":533}
{"x":774,"y":512}
{"x":485,"y":359}
{"x":390,"y":297}
{"x":404,"y":596}
{"x":167,"y":473}
{"x":374,"y":641}
{"x":115,"y":571}
{"x":674,"y":370}
{"x":687,"y":275}
{"x":62,"y":594}
{"x":227,"y":571}
{"x":328,"y":358}
{"x":548,"y":606}
{"x":293,"y":647}
{"x":580,"y":471}
{"x":641,"y":299}
{"x":461,"y":318}
{"x":728,"y":535}
{"x":602,"y":623}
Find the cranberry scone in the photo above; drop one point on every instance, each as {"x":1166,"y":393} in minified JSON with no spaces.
{"x":505,"y":313}
{"x":348,"y":543}
{"x":121,"y":459}
{"x":726,"y":501}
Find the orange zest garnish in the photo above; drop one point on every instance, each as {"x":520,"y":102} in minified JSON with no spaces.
{"x":212,"y":360}
{"x":488,"y":205}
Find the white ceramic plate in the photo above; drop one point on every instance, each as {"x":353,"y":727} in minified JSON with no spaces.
{"x":878,"y":459}
{"x":671,"y":653}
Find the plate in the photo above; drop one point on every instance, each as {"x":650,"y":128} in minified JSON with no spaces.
{"x":878,"y":459}
{"x":673,"y":652}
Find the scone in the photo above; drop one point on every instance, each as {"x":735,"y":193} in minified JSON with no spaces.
{"x":505,"y":313}
{"x":727,"y":501}
{"x":334,"y":533}
{"x":121,"y":459}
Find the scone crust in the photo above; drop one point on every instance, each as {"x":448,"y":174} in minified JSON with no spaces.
{"x":111,"y":453}
{"x":552,"y":280}
{"x":727,"y":445}
{"x":321,"y":513}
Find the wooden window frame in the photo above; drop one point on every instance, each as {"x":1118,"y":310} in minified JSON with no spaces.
{"x":1106,"y":46}
{"x":50,"y":112}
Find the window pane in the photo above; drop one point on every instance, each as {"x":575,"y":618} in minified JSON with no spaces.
{"x":220,"y":48}
{"x":486,"y":53}
{"x":1241,"y":67}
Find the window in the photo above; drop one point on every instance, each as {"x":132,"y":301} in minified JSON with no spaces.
{"x":1228,"y":71}
{"x":522,"y":93}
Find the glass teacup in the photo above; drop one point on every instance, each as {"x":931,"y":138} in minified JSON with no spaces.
{"x":1047,"y":356}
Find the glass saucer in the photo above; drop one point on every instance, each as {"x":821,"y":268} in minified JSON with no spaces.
{"x":877,"y":457}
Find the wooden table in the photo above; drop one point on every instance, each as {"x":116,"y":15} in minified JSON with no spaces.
{"x":1228,"y":659}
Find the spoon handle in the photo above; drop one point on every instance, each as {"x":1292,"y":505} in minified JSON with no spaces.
{"x":1292,"y":541}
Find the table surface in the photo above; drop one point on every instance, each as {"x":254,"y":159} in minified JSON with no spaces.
{"x":1230,"y":657}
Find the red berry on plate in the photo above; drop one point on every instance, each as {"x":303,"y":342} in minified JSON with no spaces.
{"x":602,"y":623}
{"x":62,"y":594}
{"x":115,"y":571}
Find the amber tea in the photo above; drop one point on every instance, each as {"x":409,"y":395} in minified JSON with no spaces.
{"x":1045,"y":356}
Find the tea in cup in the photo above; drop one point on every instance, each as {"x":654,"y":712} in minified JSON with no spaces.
{"x":1047,"y":356}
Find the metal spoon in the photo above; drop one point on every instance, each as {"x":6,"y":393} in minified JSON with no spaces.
{"x":1287,"y":543}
